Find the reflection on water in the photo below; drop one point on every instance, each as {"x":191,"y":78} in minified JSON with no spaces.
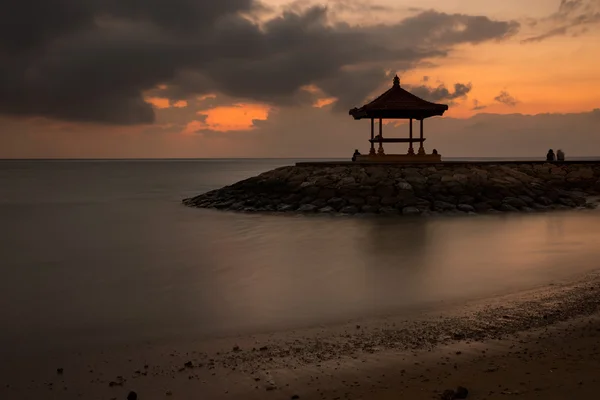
{"x":129,"y":267}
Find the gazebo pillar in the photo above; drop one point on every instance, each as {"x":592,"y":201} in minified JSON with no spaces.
{"x":411,"y":150}
{"x":421,"y":148}
{"x":380,"y":150}
{"x":372,"y":150}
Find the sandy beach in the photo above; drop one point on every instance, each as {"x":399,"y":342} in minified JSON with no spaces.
{"x":543,"y":343}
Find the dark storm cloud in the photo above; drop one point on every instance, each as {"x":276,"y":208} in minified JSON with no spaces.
{"x":438,"y":29}
{"x":505,"y":98}
{"x":441,"y":93}
{"x":91,"y":60}
{"x":571,"y":18}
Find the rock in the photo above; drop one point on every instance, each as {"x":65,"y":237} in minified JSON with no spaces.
{"x":336,"y":203}
{"x":59,"y":371}
{"x":567,"y":202}
{"x":285,"y":207}
{"x":545,"y":201}
{"x":411,"y":211}
{"x":368,"y":209}
{"x":388,"y":210}
{"x":579,"y":201}
{"x":307,"y":184}
{"x":132,"y":396}
{"x":466,"y":199}
{"x":389,"y":201}
{"x":514,"y":202}
{"x":237,"y":206}
{"x":311,"y":190}
{"x":528,"y":200}
{"x":326,"y":193}
{"x":349,"y":180}
{"x":384,"y":191}
{"x":583,"y":173}
{"x":410,"y":202}
{"x":465,"y":208}
{"x":448,"y":188}
{"x":319,"y":203}
{"x":461,"y":393}
{"x":307,"y":208}
{"x":292,"y":198}
{"x":482,"y":207}
{"x":443,"y":206}
{"x":373,"y":200}
{"x":356,"y":201}
{"x":415,"y":179}
{"x":404,"y":186}
{"x":508,"y":208}
{"x":189,"y":364}
{"x":461,"y":178}
{"x":327,"y":210}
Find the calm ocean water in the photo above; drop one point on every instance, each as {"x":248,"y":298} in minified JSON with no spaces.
{"x":95,"y":252}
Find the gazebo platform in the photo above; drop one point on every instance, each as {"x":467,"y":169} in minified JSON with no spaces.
{"x":397,"y":103}
{"x":399,"y":158}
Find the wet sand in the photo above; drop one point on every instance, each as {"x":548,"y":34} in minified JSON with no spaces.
{"x":543,"y":343}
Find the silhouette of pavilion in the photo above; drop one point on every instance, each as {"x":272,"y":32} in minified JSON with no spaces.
{"x":397,"y":103}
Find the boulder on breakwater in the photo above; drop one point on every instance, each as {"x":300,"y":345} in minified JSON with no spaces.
{"x":448,"y":188}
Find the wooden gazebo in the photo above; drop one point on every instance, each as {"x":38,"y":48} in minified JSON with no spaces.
{"x":397,"y":103}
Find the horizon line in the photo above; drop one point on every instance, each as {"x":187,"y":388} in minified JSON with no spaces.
{"x":277,"y":158}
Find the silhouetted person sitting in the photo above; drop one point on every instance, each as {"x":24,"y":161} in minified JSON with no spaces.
{"x":560,"y":155}
{"x":356,"y":154}
{"x":434,"y":152}
{"x":550,"y":155}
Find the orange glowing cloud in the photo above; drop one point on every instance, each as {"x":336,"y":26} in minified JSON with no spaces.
{"x":180,"y":104}
{"x":158,"y":102}
{"x":319,"y":103}
{"x":311,"y":89}
{"x":237,"y":117}
{"x":206,"y":97}
{"x":161,"y":102}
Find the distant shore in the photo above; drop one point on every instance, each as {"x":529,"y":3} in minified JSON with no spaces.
{"x":456,"y":188}
{"x":543,"y":342}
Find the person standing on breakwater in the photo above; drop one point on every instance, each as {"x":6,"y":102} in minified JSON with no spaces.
{"x":560,"y":155}
{"x":356,"y":154}
{"x":550,"y":155}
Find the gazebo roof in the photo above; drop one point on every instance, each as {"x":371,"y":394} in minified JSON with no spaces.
{"x":400,"y":104}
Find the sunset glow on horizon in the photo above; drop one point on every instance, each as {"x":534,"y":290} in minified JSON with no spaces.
{"x":533,"y":58}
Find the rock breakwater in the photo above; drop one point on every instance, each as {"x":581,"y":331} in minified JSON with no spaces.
{"x":410,"y":190}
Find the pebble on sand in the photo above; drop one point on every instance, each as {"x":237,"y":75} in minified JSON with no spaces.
{"x":461,"y":392}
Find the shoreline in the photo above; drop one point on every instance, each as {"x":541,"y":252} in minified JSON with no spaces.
{"x":282,"y":364}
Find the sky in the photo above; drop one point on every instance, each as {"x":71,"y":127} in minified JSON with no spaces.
{"x":276,"y":78}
